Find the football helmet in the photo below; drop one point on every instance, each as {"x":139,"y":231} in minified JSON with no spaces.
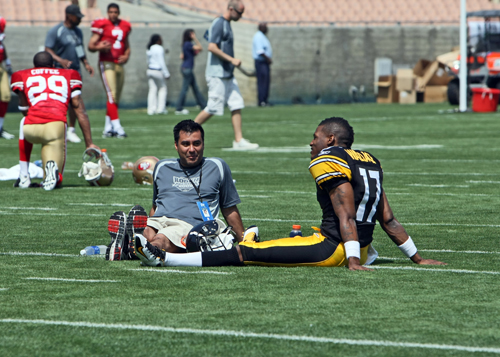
{"x":209,"y":236}
{"x":97,"y":168}
{"x":143,"y":170}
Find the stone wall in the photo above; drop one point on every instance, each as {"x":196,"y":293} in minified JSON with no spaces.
{"x":309,"y":62}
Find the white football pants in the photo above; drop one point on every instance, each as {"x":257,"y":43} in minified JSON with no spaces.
{"x":157,"y":96}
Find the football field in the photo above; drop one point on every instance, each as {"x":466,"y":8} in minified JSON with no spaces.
{"x":441,"y":176}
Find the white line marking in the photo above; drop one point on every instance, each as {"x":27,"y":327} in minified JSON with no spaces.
{"x":31,"y":208}
{"x":307,"y":148}
{"x":295,"y":192}
{"x":452,"y":225}
{"x":440,"y":270}
{"x":456,"y":251}
{"x":243,"y":334}
{"x":283,"y":220}
{"x":399,"y":258}
{"x":270,"y":172}
{"x":86,"y":188}
{"x":3,"y":289}
{"x":254,"y":196}
{"x":436,"y":186}
{"x":496,"y":182}
{"x":101,"y":204}
{"x":440,"y":173}
{"x":52,"y":214}
{"x":40,"y":254}
{"x":75,"y":280}
{"x":182,"y":271}
{"x":393,"y":147}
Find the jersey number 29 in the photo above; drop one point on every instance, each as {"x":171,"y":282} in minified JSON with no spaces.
{"x":38,"y":84}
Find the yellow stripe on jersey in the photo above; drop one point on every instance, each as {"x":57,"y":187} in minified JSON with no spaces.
{"x":326,"y":167}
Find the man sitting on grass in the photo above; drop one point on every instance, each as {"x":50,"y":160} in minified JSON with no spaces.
{"x":350,"y":193}
{"x":186,"y":192}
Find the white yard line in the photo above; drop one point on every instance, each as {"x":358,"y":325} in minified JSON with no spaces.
{"x":243,"y":334}
{"x":39,"y":254}
{"x":75,"y":280}
{"x":181,"y":271}
{"x":101,"y":204}
{"x":456,"y":251}
{"x":460,"y":271}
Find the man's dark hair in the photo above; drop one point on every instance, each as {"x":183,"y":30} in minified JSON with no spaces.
{"x":340,"y":128}
{"x":188,"y":126}
{"x":43,"y":59}
{"x":115,"y":5}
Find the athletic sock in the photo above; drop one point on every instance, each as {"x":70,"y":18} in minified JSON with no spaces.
{"x":25,"y":148}
{"x":71,"y":129}
{"x":221,"y":258}
{"x":1,"y":123}
{"x":117,"y":127}
{"x":183,"y":260}
{"x":107,"y":124}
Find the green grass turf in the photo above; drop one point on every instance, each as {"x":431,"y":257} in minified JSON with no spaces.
{"x":447,"y":197}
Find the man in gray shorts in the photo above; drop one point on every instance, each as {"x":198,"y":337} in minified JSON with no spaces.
{"x":186,"y":192}
{"x":222,"y":86}
{"x":65,"y":43}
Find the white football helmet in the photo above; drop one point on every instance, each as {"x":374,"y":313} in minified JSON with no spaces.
{"x":209,"y":236}
{"x":143,"y":170}
{"x":97,"y":168}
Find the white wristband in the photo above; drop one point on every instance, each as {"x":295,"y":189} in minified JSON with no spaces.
{"x":408,"y":248}
{"x":352,"y":249}
{"x":23,"y":108}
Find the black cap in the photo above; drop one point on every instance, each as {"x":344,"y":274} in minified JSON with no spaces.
{"x":74,"y":10}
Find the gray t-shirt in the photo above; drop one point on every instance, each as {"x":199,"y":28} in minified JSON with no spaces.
{"x":221,"y":34}
{"x":175,"y":196}
{"x":67,"y":43}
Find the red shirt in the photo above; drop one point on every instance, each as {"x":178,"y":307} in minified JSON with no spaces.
{"x":48,"y":91}
{"x":113,"y":33}
{"x":3,"y":23}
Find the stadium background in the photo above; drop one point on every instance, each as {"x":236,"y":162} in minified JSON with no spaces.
{"x":321,"y":48}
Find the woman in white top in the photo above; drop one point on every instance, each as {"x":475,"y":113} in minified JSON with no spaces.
{"x":157,"y":74}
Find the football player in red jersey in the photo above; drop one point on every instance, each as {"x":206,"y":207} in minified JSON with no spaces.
{"x":110,"y":39}
{"x":44,"y":95}
{"x":5,"y":71}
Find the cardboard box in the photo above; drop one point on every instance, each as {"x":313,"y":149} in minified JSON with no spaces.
{"x":408,"y":97}
{"x":430,"y":73}
{"x":436,"y":94}
{"x":387,"y":92}
{"x":449,"y":58}
{"x":405,"y":80}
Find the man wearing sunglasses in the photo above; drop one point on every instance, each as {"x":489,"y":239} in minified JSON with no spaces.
{"x":222,"y":86}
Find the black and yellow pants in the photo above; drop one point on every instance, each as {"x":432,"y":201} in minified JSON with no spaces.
{"x":315,"y":250}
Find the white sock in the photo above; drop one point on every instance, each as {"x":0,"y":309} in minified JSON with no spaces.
{"x":107,"y":124}
{"x":183,"y":260}
{"x":117,"y":127}
{"x":71,"y":129}
{"x":23,"y":168}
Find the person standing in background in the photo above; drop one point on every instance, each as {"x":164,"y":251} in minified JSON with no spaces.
{"x":5,"y":71}
{"x":157,"y":74}
{"x":65,"y":43}
{"x":110,"y":39}
{"x":262,"y":53}
{"x":189,"y":50}
{"x":222,"y":85}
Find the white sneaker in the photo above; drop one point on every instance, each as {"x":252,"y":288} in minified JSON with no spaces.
{"x":244,"y":144}
{"x":165,"y":112}
{"x":6,"y":135}
{"x":51,"y":176}
{"x":182,"y":112}
{"x":23,"y":182}
{"x":71,"y":136}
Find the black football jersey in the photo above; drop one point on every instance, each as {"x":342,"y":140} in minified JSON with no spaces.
{"x":336,"y":165}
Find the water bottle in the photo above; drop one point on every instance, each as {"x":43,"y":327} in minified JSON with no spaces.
{"x":296,"y":231}
{"x":94,"y":250}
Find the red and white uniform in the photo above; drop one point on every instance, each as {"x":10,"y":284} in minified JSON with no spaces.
{"x":113,"y":33}
{"x":3,"y":23}
{"x":48,"y":91}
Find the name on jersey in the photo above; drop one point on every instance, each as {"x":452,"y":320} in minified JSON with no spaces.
{"x":360,"y":156}
{"x":183,"y":184}
{"x":44,"y":71}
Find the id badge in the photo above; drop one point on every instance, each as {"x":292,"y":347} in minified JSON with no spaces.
{"x":79,"y":51}
{"x":205,"y":211}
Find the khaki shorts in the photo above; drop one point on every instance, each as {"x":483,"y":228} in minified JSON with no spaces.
{"x":174,"y":229}
{"x":4,"y":85}
{"x":221,"y":91}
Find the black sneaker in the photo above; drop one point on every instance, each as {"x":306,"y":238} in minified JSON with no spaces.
{"x":136,"y":224}
{"x":109,"y":134}
{"x":148,"y":254}
{"x":117,"y":249}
